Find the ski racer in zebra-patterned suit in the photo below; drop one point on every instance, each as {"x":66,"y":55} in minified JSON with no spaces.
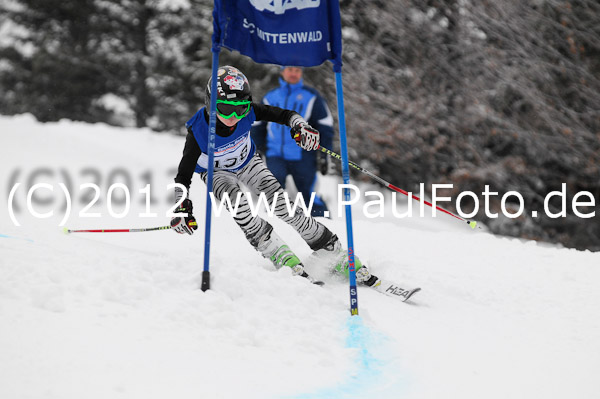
{"x":236,"y":161}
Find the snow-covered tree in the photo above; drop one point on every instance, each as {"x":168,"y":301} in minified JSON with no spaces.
{"x":49,"y":66}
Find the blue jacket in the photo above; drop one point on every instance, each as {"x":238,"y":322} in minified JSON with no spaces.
{"x":274,"y":139}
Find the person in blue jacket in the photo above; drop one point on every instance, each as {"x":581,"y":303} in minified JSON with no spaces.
{"x":273,"y":140}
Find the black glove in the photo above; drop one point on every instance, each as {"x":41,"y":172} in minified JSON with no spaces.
{"x":306,"y":136}
{"x":323,"y":163}
{"x":184,"y":224}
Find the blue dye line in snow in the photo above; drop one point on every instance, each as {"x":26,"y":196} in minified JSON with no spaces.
{"x":15,"y":238}
{"x":366,"y":378}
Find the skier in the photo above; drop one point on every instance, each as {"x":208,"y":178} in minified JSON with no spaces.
{"x":236,"y":161}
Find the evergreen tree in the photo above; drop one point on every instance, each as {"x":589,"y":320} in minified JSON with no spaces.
{"x":163,"y":56}
{"x":52,"y":70}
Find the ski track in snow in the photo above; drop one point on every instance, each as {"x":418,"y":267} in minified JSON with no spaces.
{"x":122,"y":316}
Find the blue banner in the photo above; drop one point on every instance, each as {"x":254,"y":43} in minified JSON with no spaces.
{"x":284,"y":32}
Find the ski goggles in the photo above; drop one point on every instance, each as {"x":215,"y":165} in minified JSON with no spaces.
{"x":227,"y":109}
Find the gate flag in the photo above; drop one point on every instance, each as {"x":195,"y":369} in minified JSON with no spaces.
{"x":290,"y":33}
{"x":284,"y":32}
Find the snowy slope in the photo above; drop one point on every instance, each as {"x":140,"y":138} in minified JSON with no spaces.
{"x":121,"y":316}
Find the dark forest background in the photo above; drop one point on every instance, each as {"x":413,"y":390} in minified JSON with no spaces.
{"x":503,"y":93}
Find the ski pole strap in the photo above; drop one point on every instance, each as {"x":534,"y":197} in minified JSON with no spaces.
{"x":69,"y":231}
{"x":392,"y":187}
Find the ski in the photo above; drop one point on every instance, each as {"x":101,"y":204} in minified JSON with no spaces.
{"x":392,"y":289}
{"x":312,"y":280}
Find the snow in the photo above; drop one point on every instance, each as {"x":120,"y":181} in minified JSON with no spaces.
{"x":118,"y":106}
{"x":173,"y":5}
{"x":121,"y":315}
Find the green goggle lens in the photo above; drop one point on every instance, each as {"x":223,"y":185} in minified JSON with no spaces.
{"x":227,"y":109}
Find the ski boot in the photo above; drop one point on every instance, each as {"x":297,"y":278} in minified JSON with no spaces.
{"x":337,"y":257}
{"x":271,"y":246}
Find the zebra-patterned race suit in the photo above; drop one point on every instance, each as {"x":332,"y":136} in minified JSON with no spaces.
{"x":237,"y":162}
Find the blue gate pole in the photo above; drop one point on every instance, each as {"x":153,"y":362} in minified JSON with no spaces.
{"x":211,"y":167}
{"x":346,"y":177}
